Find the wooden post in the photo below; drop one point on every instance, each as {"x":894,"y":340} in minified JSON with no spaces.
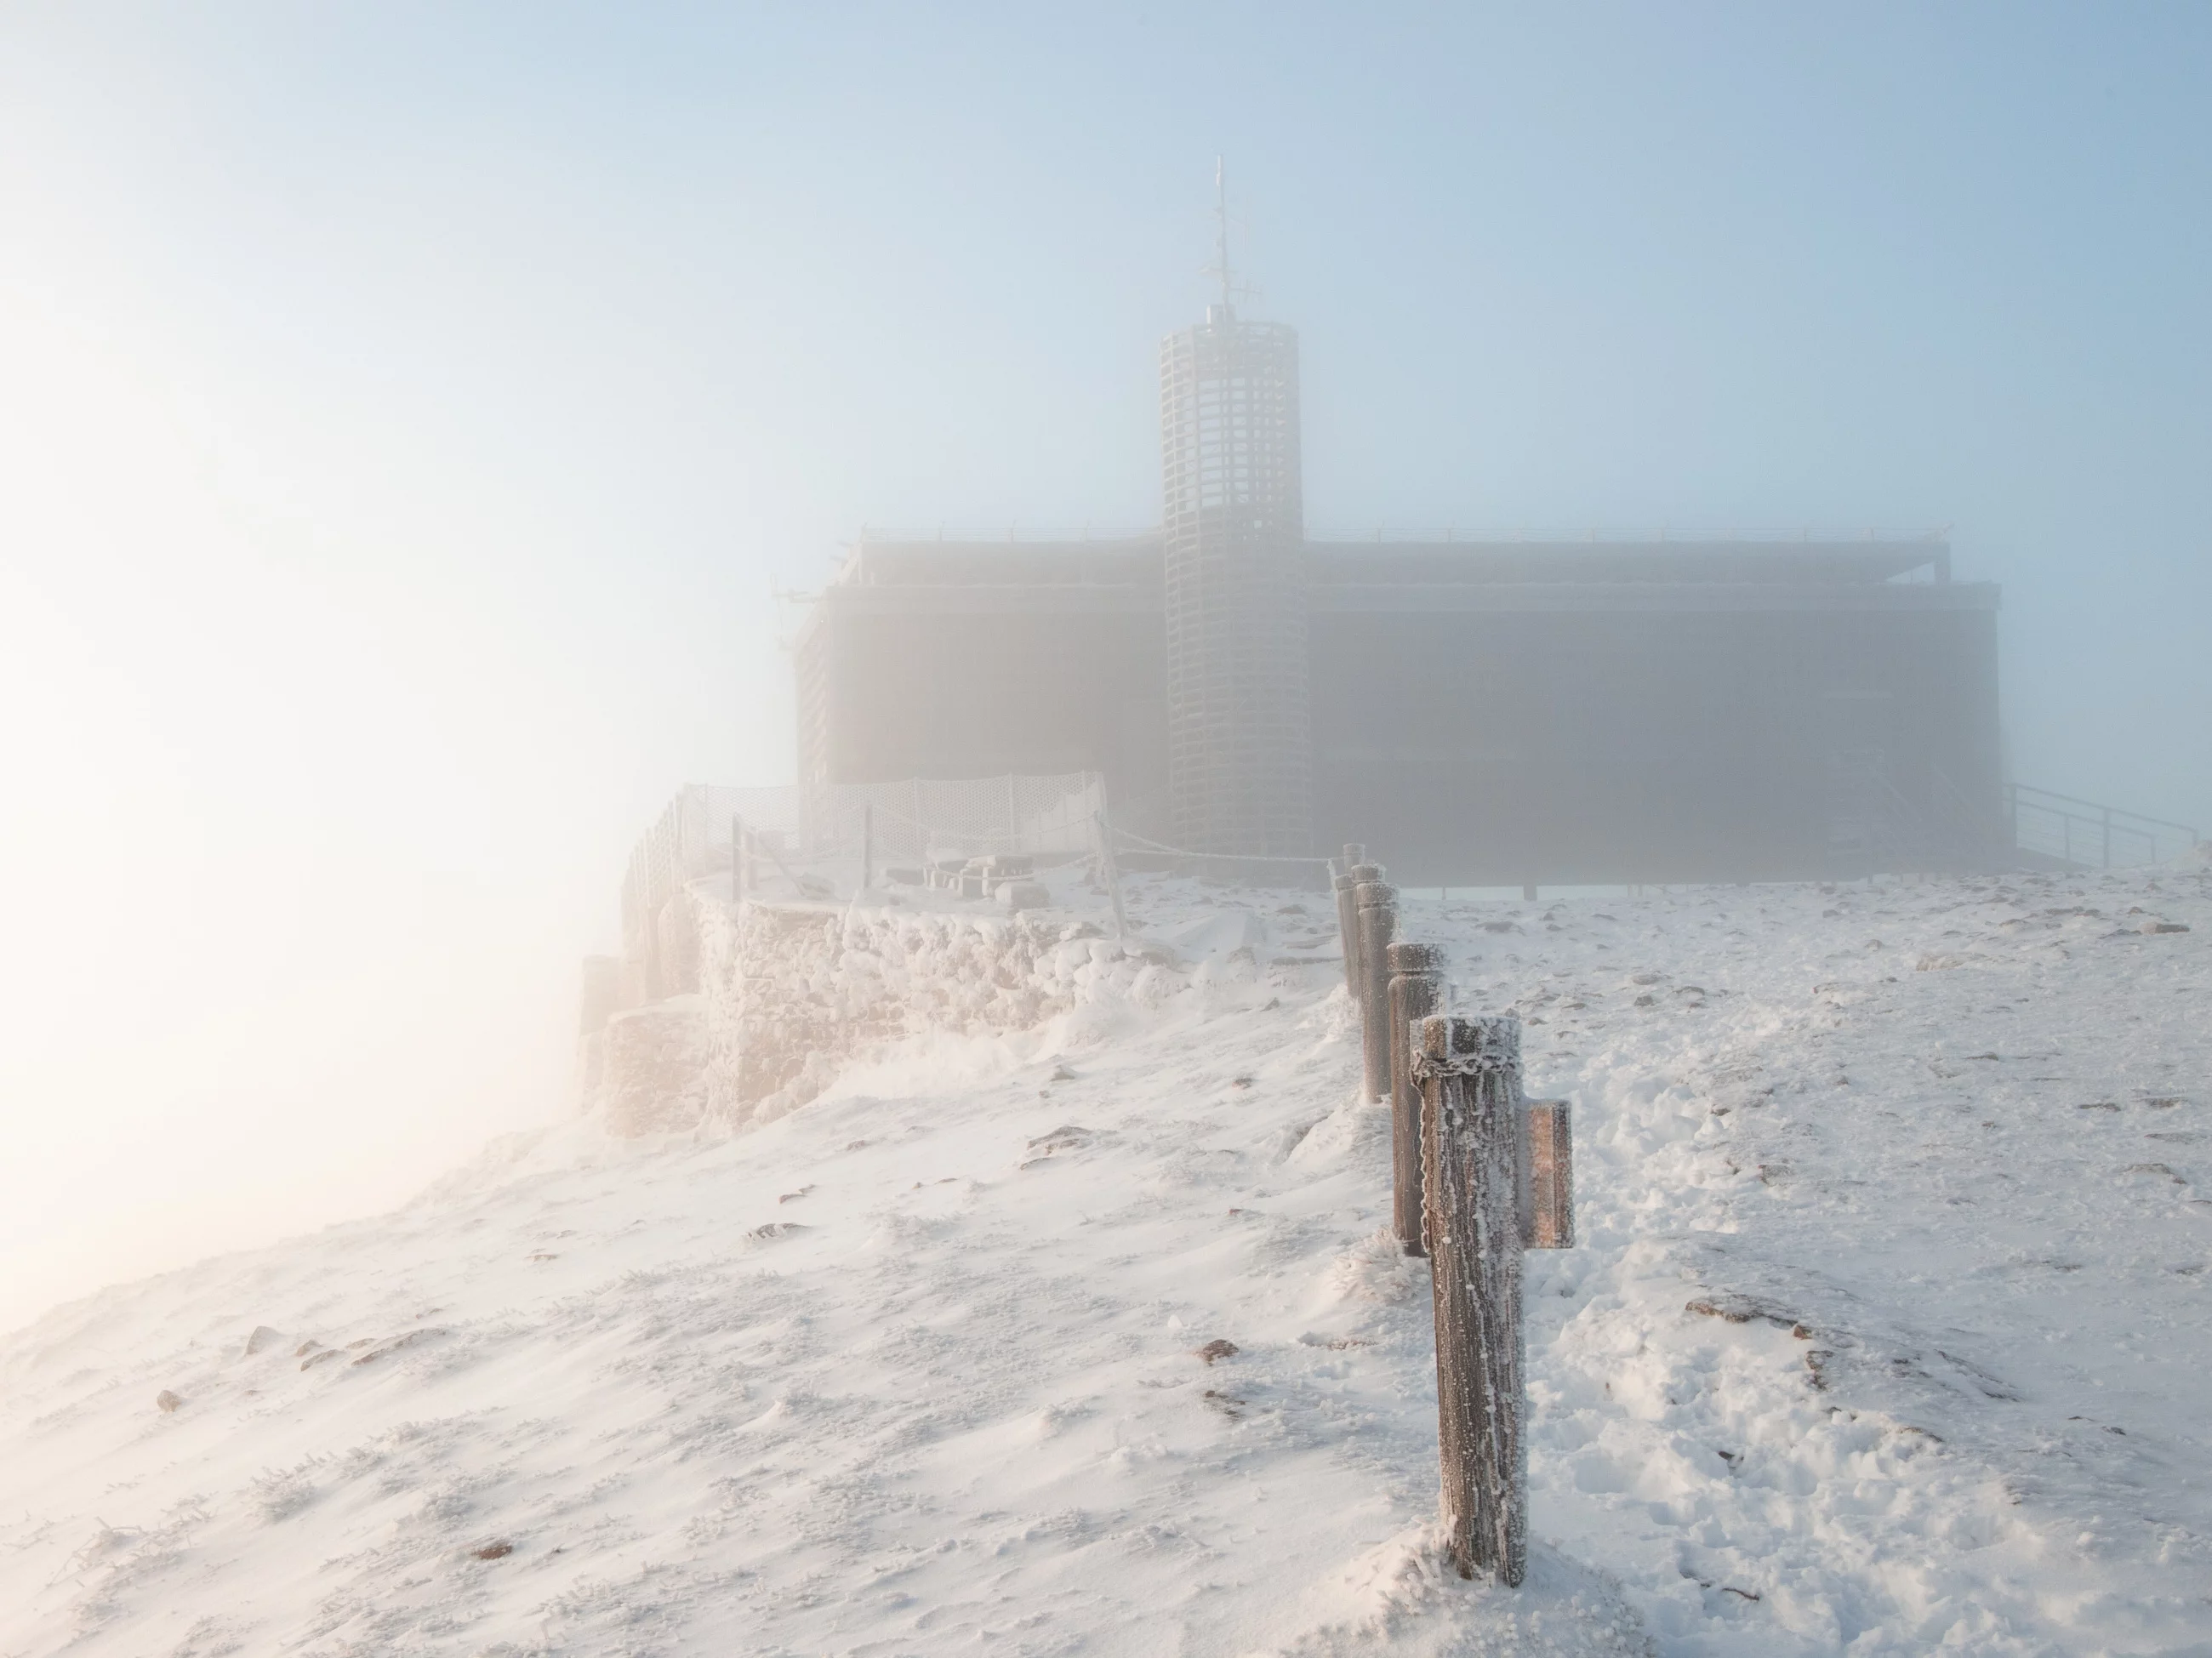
{"x":1347,"y":913}
{"x":1496,"y":1178}
{"x":1378,"y":919}
{"x":1350,"y":918}
{"x":1547,"y":1182}
{"x":1113,"y":874}
{"x":1347,"y":930}
{"x":1416,"y":991}
{"x":1470,"y":1076}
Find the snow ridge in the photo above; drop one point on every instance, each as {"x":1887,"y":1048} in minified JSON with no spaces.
{"x":1882,"y":1335}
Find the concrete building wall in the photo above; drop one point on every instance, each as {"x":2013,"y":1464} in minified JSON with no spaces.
{"x":923,"y":680}
{"x":1625,"y":745}
{"x":1478,"y":715}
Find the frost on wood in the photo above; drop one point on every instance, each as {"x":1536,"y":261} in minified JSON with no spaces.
{"x":1548,"y":1222}
{"x":1416,"y":986}
{"x":1378,"y":921}
{"x":1470,"y":1076}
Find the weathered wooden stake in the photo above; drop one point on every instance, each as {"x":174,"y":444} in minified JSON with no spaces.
{"x":1417,"y":984}
{"x":1347,"y":913}
{"x":1547,"y":1180}
{"x":1112,"y":873}
{"x":1378,"y":919}
{"x":1477,"y":1187}
{"x":1355,"y":967}
{"x":1347,"y":929}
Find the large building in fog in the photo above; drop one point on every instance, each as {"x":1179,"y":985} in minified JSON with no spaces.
{"x":1601,"y":708}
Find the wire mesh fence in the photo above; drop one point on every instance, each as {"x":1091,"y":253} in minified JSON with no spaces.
{"x":919,"y":821}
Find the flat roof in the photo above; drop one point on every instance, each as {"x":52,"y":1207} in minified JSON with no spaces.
{"x":1135,"y":558}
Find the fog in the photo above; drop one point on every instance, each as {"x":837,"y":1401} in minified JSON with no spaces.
{"x":408,"y":415}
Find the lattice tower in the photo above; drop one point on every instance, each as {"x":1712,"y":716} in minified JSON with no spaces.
{"x":1239,"y":761}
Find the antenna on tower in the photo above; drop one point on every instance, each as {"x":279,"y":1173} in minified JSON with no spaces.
{"x":1231,"y":288}
{"x":1221,"y":229}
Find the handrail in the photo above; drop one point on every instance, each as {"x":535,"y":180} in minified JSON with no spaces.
{"x":2019,"y":789}
{"x":876,"y":534}
{"x":1664,"y":536}
{"x":1793,"y":535}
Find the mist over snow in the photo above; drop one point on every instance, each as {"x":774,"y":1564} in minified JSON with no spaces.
{"x":425,"y":431}
{"x":1882,"y":1335}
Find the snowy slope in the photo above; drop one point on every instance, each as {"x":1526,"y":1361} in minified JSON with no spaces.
{"x":1887,"y":1332}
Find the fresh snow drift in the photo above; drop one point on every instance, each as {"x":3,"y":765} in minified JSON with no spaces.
{"x":1887,"y":1330}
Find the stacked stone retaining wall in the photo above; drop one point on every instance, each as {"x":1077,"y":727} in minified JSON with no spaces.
{"x":788,"y":993}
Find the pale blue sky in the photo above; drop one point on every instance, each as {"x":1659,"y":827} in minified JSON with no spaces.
{"x":405,"y":412}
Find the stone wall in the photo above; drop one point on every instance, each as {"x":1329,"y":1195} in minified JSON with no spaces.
{"x":788,"y":993}
{"x":652,"y":1065}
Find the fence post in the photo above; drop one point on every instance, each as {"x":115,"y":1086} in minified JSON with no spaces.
{"x":1347,"y":930}
{"x":1113,"y":873}
{"x":1416,"y":992}
{"x":1378,"y":919}
{"x":1355,"y":965}
{"x":1347,"y":914}
{"x":1470,"y":1074}
{"x":1496,"y":1178}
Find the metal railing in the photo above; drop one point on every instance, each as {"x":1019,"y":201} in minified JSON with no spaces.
{"x":1665,"y":535}
{"x":881,"y":535}
{"x":2087,"y":835}
{"x":918,"y":820}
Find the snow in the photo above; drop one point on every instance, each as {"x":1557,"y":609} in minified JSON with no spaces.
{"x":1884,"y":1333}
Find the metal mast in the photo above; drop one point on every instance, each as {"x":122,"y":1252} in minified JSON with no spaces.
{"x":1239,"y":758}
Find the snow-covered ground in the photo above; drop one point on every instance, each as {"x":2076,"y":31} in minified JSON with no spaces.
{"x":1889,"y":1332}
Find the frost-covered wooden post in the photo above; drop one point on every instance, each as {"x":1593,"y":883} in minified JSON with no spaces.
{"x":1355,"y":972}
{"x":1347,"y":914}
{"x":1347,"y":930}
{"x":1474,"y":1127}
{"x":1111,"y":872}
{"x":1416,"y":992}
{"x":1354,"y":963}
{"x":1378,"y":920}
